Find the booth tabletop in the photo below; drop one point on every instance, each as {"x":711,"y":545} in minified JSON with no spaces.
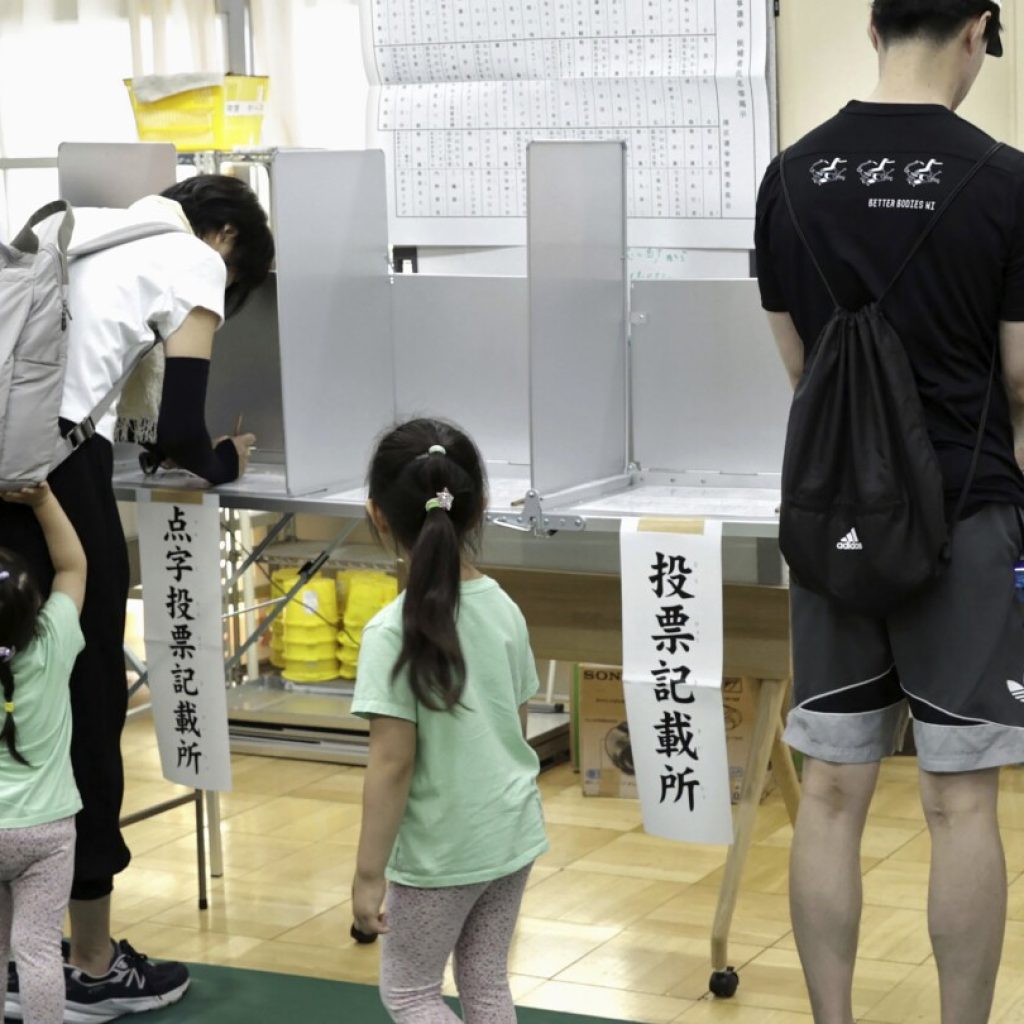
{"x":745,"y":511}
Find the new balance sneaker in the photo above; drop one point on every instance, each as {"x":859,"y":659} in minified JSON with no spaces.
{"x":132,"y":985}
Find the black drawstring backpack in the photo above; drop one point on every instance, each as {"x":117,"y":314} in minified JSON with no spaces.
{"x":863,"y":519}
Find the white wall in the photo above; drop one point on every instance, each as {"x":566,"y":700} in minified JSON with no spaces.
{"x":318,"y":89}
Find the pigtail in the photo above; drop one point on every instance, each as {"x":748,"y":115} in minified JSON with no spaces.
{"x":19,"y":612}
{"x":430,"y":644}
{"x":9,"y":732}
{"x":428,"y":482}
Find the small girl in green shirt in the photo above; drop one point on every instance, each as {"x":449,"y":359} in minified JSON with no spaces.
{"x":39,"y":643}
{"x":452,"y":818}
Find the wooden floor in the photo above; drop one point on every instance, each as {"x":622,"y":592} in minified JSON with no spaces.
{"x":615,"y":923}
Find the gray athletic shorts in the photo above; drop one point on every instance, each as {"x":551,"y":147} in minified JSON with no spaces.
{"x":952,"y":661}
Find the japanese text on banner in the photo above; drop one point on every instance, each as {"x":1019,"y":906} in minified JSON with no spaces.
{"x":672,"y":677}
{"x":180,"y":550}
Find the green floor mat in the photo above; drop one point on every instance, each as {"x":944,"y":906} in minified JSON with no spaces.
{"x":225,"y":995}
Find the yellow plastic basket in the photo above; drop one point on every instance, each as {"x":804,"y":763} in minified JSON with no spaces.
{"x":366,"y":593}
{"x":214,"y":117}
{"x":316,"y":605}
{"x":294,"y":652}
{"x":311,"y":671}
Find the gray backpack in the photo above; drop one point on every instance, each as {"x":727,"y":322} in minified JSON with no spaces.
{"x":34,"y":319}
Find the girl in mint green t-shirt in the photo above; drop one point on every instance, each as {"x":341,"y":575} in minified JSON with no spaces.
{"x":39,"y":642}
{"x":452,"y":818}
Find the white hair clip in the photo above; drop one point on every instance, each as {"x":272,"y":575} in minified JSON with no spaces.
{"x":445,"y":499}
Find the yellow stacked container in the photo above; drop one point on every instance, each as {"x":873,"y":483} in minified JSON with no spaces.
{"x":280,"y":583}
{"x":365,"y":593}
{"x":303,"y":638}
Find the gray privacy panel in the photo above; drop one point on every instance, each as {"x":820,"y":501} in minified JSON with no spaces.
{"x":462,"y":353}
{"x":709,"y":390}
{"x":577,"y":243}
{"x":334,"y":311}
{"x":114,"y":174}
{"x":245,"y":375}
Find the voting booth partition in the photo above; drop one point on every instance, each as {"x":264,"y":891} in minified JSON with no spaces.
{"x":589,"y":405}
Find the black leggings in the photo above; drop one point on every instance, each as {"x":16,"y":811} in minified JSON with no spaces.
{"x":99,"y":688}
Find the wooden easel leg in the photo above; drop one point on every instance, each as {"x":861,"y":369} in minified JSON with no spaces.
{"x":769,"y":710}
{"x":785,"y":773}
{"x":216,"y":840}
{"x":201,"y":850}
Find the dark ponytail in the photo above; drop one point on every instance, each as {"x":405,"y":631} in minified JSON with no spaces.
{"x":415,"y":464}
{"x":9,"y":732}
{"x":19,"y":612}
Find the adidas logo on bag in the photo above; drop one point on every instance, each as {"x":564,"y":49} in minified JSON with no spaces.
{"x":1016,"y":690}
{"x":851,"y":542}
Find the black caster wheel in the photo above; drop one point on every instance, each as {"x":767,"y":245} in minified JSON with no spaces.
{"x":724,"y":983}
{"x":361,"y":937}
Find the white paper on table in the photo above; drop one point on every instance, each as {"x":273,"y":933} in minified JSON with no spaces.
{"x":186,"y":669}
{"x":725,"y":503}
{"x":672,"y":639}
{"x":458,"y":91}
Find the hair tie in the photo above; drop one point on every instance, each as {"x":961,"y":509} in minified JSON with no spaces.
{"x":6,"y":653}
{"x":445,"y":499}
{"x":9,"y":706}
{"x":437,"y":449}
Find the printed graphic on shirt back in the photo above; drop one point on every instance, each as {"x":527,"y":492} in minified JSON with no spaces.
{"x":825,"y":172}
{"x":920,"y":173}
{"x":892,"y":173}
{"x":874,"y":172}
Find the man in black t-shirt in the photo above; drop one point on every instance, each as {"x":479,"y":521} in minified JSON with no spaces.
{"x":865,"y":185}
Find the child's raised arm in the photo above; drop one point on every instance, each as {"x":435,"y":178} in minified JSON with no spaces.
{"x":62,"y":541}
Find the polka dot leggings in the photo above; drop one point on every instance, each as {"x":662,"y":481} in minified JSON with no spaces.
{"x":36,"y":865}
{"x":475,"y":922}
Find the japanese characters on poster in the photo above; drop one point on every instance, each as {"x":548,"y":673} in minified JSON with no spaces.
{"x":672,"y":677}
{"x":179,"y":542}
{"x":459,"y":88}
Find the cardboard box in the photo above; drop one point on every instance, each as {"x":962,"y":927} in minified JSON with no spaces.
{"x":601,"y":733}
{"x":740,"y":705}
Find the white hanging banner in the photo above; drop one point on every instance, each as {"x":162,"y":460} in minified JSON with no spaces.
{"x":672,"y":640}
{"x":179,"y":545}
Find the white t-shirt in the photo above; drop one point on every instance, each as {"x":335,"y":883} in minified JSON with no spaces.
{"x":121,"y":299}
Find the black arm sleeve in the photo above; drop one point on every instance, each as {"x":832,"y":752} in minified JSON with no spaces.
{"x":181,"y":433}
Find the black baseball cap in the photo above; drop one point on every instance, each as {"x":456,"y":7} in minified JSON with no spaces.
{"x":995,"y":41}
{"x":901,"y":18}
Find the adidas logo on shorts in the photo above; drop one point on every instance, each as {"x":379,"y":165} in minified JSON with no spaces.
{"x":1016,"y":690}
{"x":851,"y":542}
